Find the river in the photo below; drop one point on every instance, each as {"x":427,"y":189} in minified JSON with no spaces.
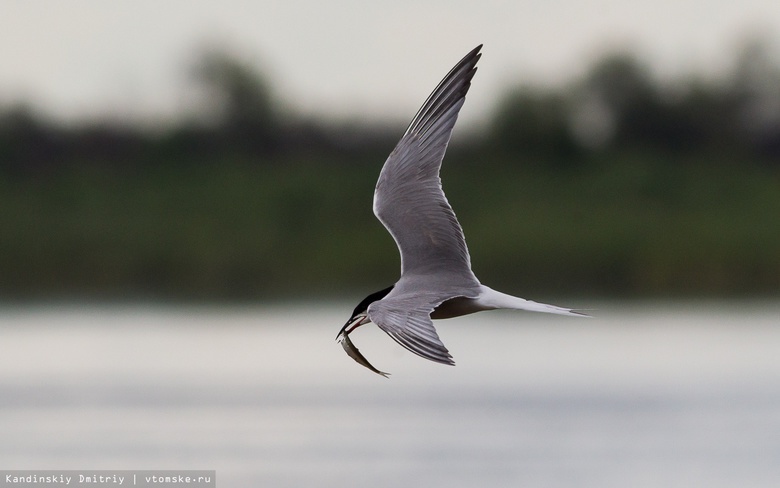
{"x":643,"y":395}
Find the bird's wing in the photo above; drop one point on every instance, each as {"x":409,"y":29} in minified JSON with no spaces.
{"x":407,"y":319}
{"x":409,"y":200}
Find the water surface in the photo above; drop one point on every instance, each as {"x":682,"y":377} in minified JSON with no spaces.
{"x":676,"y":395}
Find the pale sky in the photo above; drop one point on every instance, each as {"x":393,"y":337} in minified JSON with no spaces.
{"x":128,"y":58}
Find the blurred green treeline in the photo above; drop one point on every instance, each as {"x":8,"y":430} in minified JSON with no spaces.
{"x":616,"y":184}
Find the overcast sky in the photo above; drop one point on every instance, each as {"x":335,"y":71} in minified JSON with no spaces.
{"x":128,"y":58}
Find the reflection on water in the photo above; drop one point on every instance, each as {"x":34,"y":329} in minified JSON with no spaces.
{"x":664,"y":396}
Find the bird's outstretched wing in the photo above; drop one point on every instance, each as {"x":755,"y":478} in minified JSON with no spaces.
{"x":409,"y":200}
{"x":407,"y":319}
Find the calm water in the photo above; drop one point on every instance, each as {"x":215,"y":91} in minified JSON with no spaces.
{"x":683,"y":395}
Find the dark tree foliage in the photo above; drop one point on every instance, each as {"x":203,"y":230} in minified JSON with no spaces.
{"x":534,"y":124}
{"x":239,"y":101}
{"x":618,"y":105}
{"x":618,"y":182}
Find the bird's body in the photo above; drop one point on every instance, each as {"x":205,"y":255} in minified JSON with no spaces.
{"x":436,"y":277}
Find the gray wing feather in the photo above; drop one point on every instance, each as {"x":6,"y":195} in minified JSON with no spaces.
{"x":409,"y":200}
{"x":407,"y":319}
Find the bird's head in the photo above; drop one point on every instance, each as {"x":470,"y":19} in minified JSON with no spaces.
{"x":360,"y":317}
{"x":360,"y":314}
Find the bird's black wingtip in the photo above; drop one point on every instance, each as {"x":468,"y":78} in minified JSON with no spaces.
{"x":581,"y":312}
{"x":474,"y":55}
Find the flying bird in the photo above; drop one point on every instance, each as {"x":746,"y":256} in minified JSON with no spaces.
{"x":436,"y":277}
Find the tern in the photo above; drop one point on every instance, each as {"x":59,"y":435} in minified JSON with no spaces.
{"x":436,"y":277}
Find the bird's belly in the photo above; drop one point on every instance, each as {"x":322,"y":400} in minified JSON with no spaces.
{"x":455,"y":307}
